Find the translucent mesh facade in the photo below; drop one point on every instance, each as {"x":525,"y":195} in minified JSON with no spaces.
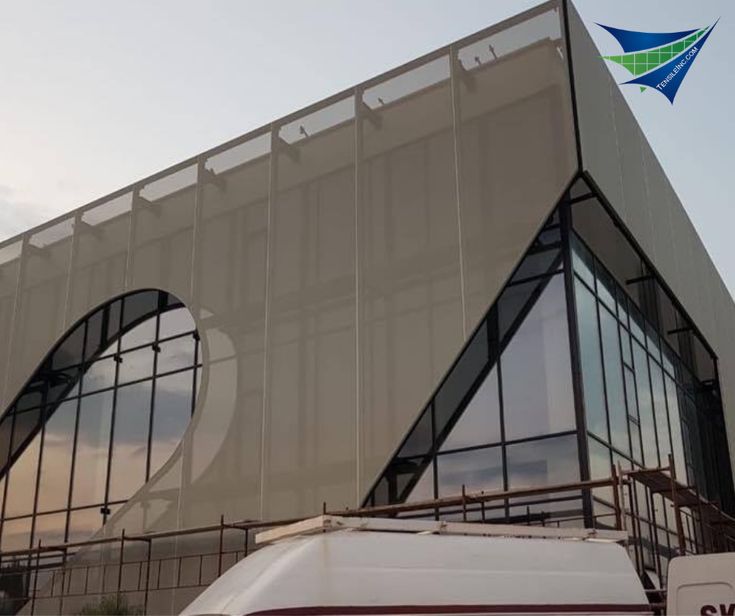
{"x":336,"y":261}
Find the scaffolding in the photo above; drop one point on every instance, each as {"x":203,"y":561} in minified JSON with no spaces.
{"x":59,"y":578}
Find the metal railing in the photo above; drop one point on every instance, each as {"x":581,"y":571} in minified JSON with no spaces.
{"x":150,"y":568}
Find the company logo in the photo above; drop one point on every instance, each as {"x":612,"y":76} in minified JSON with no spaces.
{"x":658,"y":60}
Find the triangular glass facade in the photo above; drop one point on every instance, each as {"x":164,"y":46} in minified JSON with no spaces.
{"x":584,"y":362}
{"x":504,"y":416}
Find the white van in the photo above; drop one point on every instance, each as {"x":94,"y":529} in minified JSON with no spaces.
{"x":702,"y":585}
{"x":367,"y":566}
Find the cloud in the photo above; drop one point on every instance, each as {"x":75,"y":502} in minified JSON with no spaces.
{"x":18,"y":215}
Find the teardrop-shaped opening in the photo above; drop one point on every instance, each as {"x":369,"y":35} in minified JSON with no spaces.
{"x":97,"y":419}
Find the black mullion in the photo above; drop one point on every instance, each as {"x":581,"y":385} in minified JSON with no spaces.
{"x":7,"y":474}
{"x":565,"y":218}
{"x":152,"y":403}
{"x":44,"y":418}
{"x":533,"y":278}
{"x":112,"y":416}
{"x":602,"y":355}
{"x":195,"y":371}
{"x":501,"y":412}
{"x":75,"y":439}
{"x":82,"y":370}
{"x":434,"y":461}
{"x":625,"y":387}
{"x":653,"y":406}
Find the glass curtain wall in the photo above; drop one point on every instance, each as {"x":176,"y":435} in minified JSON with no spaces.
{"x":503,"y":417}
{"x":100,"y":416}
{"x":649,"y":381}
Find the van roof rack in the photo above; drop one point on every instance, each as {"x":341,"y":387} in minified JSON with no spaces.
{"x":327,"y":523}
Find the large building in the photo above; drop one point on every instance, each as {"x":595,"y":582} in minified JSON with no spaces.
{"x":469,"y":273}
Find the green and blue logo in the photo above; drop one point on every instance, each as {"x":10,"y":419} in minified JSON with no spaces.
{"x":658,"y":60}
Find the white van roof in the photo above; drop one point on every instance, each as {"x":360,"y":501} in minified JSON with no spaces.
{"x":388,"y":572}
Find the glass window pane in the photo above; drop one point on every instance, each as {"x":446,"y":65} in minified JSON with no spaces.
{"x":537,"y":263}
{"x":70,"y":351}
{"x":171,"y":414}
{"x":600,"y":460}
{"x":17,"y":534}
{"x":652,"y":340}
{"x":143,"y":333}
{"x":100,"y":375}
{"x":583,"y":263}
{"x":424,"y":488}
{"x":114,"y":311}
{"x":659,"y":405}
{"x":637,"y":324}
{"x":421,"y":439}
{"x":139,"y":306}
{"x":635,"y":438}
{"x":22,"y":481}
{"x":600,"y":467}
{"x":83,"y":523}
{"x":176,"y":354}
{"x":677,"y":443}
{"x":63,"y":384}
{"x":25,"y":424}
{"x":590,"y":359}
{"x":32,"y":397}
{"x":605,"y":287}
{"x":58,"y":442}
{"x":478,"y":470}
{"x":479,"y":423}
{"x":614,"y":381}
{"x":94,"y":335}
{"x":130,"y":440}
{"x":460,"y":380}
{"x":50,"y":528}
{"x":645,"y":406}
{"x":6,"y":429}
{"x":135,"y":365}
{"x":175,"y":322}
{"x":548,"y":461}
{"x":625,"y":345}
{"x":536,"y":370}
{"x":93,"y":441}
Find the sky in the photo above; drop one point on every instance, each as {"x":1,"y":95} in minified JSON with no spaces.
{"x":96,"y":95}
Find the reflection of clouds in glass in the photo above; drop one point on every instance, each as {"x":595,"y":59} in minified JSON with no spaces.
{"x":176,"y":354}
{"x":50,"y":528}
{"x":173,"y":410}
{"x":58,"y":440}
{"x":175,"y":322}
{"x":135,"y":365}
{"x":172,"y":414}
{"x":132,"y":412}
{"x":22,"y":476}
{"x":92,"y":447}
{"x":100,"y":375}
{"x":424,"y":488}
{"x":536,"y":370}
{"x":83,"y":523}
{"x":94,"y":419}
{"x":480,"y":421}
{"x":16,"y":534}
{"x":481,"y":469}
{"x":545,"y":462}
{"x":144,"y":333}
